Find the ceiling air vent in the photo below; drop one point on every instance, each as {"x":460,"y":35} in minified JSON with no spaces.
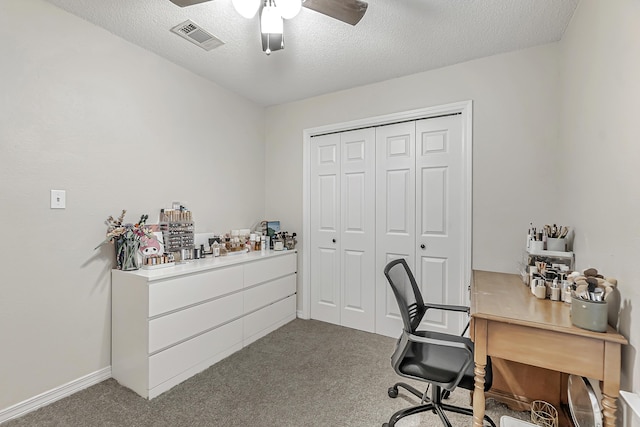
{"x":191,"y":31}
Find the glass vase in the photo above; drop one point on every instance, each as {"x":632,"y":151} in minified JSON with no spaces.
{"x":127,"y":254}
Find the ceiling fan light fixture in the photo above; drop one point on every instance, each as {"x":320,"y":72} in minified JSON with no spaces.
{"x":289,"y":8}
{"x":246,"y":8}
{"x":272,"y":42}
{"x":271,"y":20}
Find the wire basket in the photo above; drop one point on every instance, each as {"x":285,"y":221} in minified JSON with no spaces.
{"x":543,"y":414}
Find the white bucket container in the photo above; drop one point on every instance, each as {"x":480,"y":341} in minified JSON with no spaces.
{"x":506,"y":421}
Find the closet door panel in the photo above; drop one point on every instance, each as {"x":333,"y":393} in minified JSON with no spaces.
{"x":395,"y":214}
{"x":357,"y":237}
{"x":399,"y":203}
{"x":328,"y":272}
{"x":327,"y":216}
{"x":433,"y":218}
{"x":354,"y":294}
{"x":440,"y":204}
{"x":354,"y":203}
{"x":325,"y":228}
{"x":433,"y":282}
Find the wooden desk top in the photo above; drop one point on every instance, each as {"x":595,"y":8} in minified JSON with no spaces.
{"x":503,"y":297}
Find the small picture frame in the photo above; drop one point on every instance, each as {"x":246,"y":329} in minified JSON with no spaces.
{"x":273,"y":227}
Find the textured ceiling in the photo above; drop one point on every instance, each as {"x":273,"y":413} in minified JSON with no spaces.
{"x":322,"y":55}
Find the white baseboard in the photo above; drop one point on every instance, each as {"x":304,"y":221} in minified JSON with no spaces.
{"x":57,"y":393}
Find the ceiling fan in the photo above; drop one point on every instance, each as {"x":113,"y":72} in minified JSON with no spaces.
{"x":274,"y":11}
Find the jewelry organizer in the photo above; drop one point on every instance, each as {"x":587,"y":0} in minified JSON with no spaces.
{"x":177,"y":230}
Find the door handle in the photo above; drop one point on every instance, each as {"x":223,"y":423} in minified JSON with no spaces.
{"x":333,"y":240}
{"x":422,"y":246}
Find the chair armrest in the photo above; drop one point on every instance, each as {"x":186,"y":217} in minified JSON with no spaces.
{"x":447,"y":307}
{"x":440,"y":342}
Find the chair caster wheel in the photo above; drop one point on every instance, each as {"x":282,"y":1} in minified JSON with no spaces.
{"x":392,"y":392}
{"x":385,"y":425}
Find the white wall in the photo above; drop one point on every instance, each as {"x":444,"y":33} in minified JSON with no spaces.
{"x":601,"y":145}
{"x":516,"y":98}
{"x":116,"y":127}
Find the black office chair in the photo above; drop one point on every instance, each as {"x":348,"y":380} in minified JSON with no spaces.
{"x":443,"y":360}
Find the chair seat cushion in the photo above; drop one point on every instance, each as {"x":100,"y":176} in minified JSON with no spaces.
{"x":441,"y":364}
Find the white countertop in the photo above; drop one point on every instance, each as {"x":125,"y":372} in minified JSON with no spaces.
{"x":198,"y":265}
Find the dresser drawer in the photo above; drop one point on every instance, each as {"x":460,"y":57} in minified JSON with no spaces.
{"x":172,"y":294}
{"x":266,"y":293}
{"x":269,"y":269}
{"x":268,"y":316}
{"x":169,"y":363}
{"x":180,"y":325}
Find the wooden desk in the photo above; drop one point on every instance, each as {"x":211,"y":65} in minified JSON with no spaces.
{"x":508,"y":322}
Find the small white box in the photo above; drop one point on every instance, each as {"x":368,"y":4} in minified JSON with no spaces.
{"x":506,"y":421}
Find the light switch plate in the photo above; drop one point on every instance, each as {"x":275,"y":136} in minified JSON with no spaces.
{"x":58,"y":199}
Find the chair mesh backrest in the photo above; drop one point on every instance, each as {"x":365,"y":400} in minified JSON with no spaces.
{"x":407,"y":293}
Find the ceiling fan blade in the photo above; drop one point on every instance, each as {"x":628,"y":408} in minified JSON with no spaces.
{"x":184,"y":3}
{"x":349,"y":11}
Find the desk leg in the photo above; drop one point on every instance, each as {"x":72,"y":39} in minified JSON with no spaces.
{"x":480,"y":359}
{"x":609,"y":410}
{"x":611,"y":382}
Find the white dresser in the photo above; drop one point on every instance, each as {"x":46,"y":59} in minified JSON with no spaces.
{"x":169,"y":324}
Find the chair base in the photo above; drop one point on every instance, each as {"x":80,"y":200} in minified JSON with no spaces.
{"x":434,"y":405}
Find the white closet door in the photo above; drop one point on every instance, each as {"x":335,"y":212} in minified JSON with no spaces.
{"x":395,"y":215}
{"x":357,"y":237}
{"x":419,"y":217}
{"x":325,"y":227}
{"x":439,"y":219}
{"x":343,"y":229}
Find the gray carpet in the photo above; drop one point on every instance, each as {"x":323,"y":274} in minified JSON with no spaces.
{"x":307,"y":373}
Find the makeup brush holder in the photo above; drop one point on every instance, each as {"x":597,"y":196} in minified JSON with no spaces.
{"x":590,"y":315}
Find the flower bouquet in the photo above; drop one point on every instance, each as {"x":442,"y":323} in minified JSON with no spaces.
{"x":126,"y":238}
